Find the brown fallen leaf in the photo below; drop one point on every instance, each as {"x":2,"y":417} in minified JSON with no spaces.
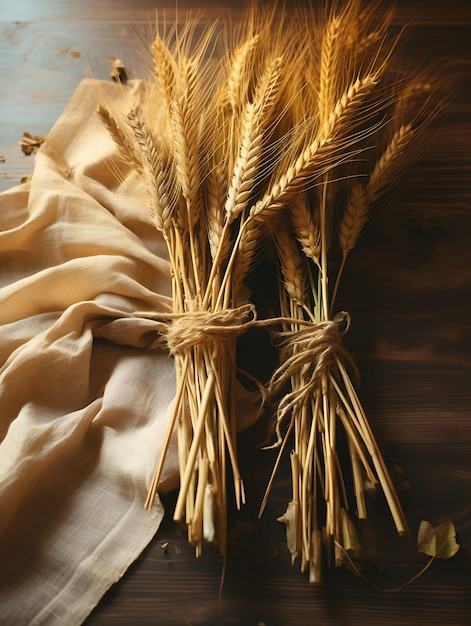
{"x":31,"y":143}
{"x":439,"y":541}
{"x":357,"y":548}
{"x":118,"y":71}
{"x":350,"y":536}
{"x":2,"y":158}
{"x":75,"y":53}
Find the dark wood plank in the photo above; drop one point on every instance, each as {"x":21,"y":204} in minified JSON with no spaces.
{"x":171,"y":587}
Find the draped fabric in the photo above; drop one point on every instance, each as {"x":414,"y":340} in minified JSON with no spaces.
{"x":83,"y":404}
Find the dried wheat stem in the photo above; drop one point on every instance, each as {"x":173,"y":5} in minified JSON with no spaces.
{"x":186,"y":147}
{"x":378,"y":461}
{"x":166,"y":442}
{"x":194,"y":448}
{"x":357,"y":482}
{"x":324,"y":278}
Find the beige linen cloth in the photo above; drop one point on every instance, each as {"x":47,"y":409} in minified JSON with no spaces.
{"x":84,"y":404}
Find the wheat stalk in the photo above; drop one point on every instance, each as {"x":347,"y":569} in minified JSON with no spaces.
{"x":322,"y":400}
{"x":362,"y":196}
{"x":216,"y":216}
{"x":354,"y":217}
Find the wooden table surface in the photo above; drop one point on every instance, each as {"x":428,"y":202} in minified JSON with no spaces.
{"x":407,"y":288}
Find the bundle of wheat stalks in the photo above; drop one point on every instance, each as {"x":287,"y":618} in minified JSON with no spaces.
{"x":289,"y":127}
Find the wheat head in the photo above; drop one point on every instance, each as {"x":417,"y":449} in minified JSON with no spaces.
{"x":306,"y":227}
{"x":291,"y":261}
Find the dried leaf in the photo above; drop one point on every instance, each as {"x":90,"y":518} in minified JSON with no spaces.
{"x":350,"y":536}
{"x":118,"y":71}
{"x":350,"y":541}
{"x":31,"y":143}
{"x":290,"y":518}
{"x":438,"y":541}
{"x":359,"y":546}
{"x":2,"y":158}
{"x":75,"y":53}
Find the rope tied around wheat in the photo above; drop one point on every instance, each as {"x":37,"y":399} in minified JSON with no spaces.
{"x":308,"y":353}
{"x":180,"y":332}
{"x":314,"y":347}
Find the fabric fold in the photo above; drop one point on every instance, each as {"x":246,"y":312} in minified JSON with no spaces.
{"x":83,"y":404}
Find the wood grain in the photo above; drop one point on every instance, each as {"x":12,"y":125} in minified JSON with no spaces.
{"x":407,"y":287}
{"x":170,"y":587}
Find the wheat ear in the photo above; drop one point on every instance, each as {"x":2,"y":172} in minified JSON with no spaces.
{"x":164,"y":70}
{"x":313,"y":157}
{"x":268,"y":88}
{"x":292,"y":265}
{"x":328,"y":74}
{"x":236,"y":81}
{"x":215,"y":197}
{"x":186,"y":147}
{"x":125,"y":144}
{"x":391,"y":162}
{"x":361,"y":196}
{"x":246,"y":166}
{"x":245,"y":253}
{"x":305,"y":227}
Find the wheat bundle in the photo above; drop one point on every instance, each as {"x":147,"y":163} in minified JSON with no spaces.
{"x":358,"y":97}
{"x":243,"y":128}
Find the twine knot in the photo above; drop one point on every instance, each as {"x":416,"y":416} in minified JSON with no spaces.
{"x":179,"y":332}
{"x":309,"y":353}
{"x":313,"y":348}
